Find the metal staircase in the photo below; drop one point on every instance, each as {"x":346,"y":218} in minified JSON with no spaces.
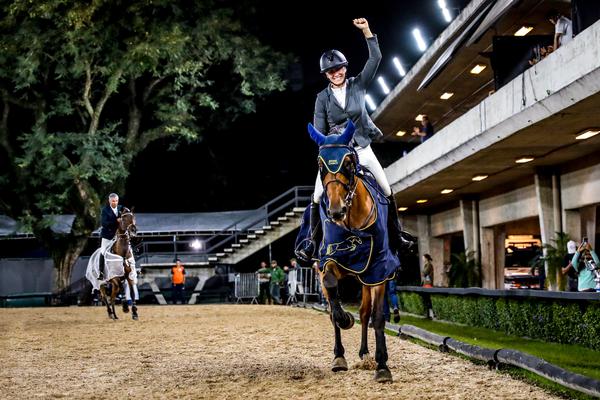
{"x":242,"y":238}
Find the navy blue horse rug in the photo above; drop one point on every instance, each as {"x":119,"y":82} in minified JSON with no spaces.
{"x":365,"y":252}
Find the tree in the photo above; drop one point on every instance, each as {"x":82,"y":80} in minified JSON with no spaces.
{"x":464,"y":271}
{"x":87,"y":86}
{"x":554,"y":257}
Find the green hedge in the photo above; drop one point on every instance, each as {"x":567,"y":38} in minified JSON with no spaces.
{"x":555,"y":321}
{"x":412,"y":303}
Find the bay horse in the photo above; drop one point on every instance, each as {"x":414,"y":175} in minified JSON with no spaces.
{"x":121,"y":248}
{"x":351,"y":215}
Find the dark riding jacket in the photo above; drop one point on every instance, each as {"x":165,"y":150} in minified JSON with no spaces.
{"x":109,"y":221}
{"x":330,"y":117}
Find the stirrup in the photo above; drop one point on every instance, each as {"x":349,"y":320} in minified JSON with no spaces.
{"x":305,"y":250}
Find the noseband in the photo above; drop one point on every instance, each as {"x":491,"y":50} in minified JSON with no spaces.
{"x":126,"y":232}
{"x":352,"y":184}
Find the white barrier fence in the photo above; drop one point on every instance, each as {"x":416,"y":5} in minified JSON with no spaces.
{"x":303,"y":284}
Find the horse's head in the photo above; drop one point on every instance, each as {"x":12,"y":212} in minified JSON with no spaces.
{"x":127,"y":224}
{"x":337,"y":166}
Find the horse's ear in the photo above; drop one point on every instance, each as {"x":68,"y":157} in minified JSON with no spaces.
{"x":132,"y":209}
{"x":315,"y":135}
{"x":346,"y":137}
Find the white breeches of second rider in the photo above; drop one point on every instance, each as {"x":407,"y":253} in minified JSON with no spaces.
{"x":367,"y":158}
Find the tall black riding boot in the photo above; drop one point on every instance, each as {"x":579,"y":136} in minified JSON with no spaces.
{"x":400,"y":241}
{"x":306,"y":250}
{"x":101,"y":267}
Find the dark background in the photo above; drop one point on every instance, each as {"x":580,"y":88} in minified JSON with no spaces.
{"x":263,"y":154}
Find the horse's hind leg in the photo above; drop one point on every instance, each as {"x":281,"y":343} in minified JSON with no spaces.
{"x":113,"y":295}
{"x":105,"y":299}
{"x":365,"y":315}
{"x":383,"y":373}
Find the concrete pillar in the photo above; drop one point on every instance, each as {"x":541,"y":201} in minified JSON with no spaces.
{"x":470,"y":218}
{"x":571,"y":224}
{"x":545,"y":198}
{"x":432,"y":246}
{"x":492,"y":257}
{"x":556,"y":203}
{"x":588,"y":224}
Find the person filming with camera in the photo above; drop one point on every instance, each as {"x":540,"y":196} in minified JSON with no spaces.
{"x":586,"y":263}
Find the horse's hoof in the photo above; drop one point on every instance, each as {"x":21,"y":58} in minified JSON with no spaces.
{"x":135,"y":317}
{"x":383,"y":375}
{"x":339,"y":364}
{"x":125,"y":308}
{"x":396,"y":316}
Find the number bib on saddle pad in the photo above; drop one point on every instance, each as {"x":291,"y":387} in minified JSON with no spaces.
{"x":366,"y":252}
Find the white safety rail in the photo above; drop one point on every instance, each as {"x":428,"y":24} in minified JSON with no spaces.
{"x":307,"y":285}
{"x":246,"y":287}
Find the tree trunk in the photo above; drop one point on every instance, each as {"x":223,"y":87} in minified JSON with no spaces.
{"x":64,"y":258}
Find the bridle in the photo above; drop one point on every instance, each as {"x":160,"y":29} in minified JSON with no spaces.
{"x":127,"y":231}
{"x":350,"y":174}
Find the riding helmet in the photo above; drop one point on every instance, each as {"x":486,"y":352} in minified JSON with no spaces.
{"x":332,"y":59}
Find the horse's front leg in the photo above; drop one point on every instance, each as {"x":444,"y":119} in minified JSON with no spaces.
{"x":339,"y":318}
{"x":383,"y":373}
{"x":365,"y":315}
{"x":130,"y":295}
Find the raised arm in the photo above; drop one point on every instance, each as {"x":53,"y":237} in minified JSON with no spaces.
{"x":370,"y":69}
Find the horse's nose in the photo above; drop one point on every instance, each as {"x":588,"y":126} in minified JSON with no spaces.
{"x":338,"y":214}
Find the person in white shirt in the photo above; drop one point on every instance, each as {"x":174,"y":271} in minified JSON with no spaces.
{"x":563,"y":28}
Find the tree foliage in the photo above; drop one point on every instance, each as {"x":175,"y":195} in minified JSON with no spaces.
{"x":88,"y":85}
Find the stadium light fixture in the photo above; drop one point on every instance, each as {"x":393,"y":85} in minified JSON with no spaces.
{"x":400,"y":133}
{"x":524,"y":30}
{"x":419,"y":39}
{"x":402,"y":208}
{"x":587,"y":134}
{"x":421,"y":201}
{"x":524,"y":159}
{"x":419,"y":117}
{"x":477,"y":69}
{"x":446,"y":95}
{"x":447,"y":15}
{"x":447,"y":191}
{"x":478,"y":178}
{"x":196,"y":244}
{"x":384,"y":86}
{"x":370,"y":102}
{"x":399,"y":66}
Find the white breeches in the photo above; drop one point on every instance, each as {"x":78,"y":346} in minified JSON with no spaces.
{"x":104,"y":245}
{"x":367,"y":158}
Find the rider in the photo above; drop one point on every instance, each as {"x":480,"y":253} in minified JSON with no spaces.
{"x":343,"y":99}
{"x":111,"y":214}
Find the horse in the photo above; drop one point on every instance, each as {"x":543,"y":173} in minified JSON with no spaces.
{"x":122,"y":248}
{"x":350,"y":210}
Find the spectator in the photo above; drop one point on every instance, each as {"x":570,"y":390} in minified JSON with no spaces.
{"x":277,"y":277}
{"x":425,"y":131}
{"x":285,"y":293}
{"x":570,"y":272}
{"x":317,"y":272}
{"x":178,"y":281}
{"x":427,"y":271}
{"x":563,"y":28}
{"x":584,"y":260}
{"x":264,"y":277}
{"x":391,"y":295}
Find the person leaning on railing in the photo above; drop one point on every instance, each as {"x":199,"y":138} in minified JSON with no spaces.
{"x":583,"y":258}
